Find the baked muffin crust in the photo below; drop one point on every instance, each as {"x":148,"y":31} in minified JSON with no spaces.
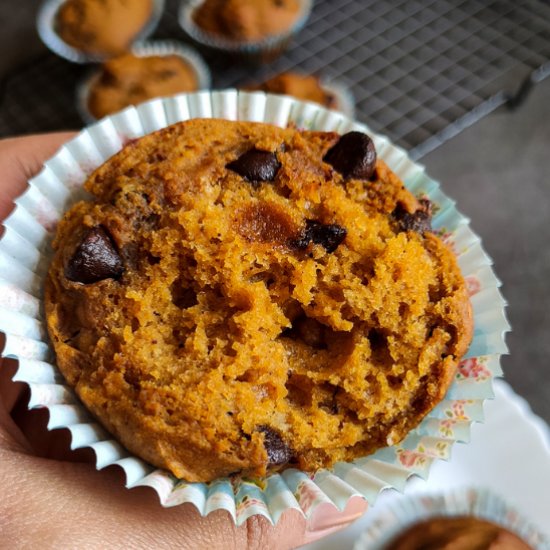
{"x":267,"y":297}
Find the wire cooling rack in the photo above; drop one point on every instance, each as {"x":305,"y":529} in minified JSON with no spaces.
{"x":420,"y":70}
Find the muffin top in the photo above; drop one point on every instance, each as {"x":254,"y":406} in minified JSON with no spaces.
{"x":130,"y":80}
{"x":105,"y":28}
{"x":458,"y":533}
{"x":239,"y":297}
{"x":300,"y":86}
{"x":247,"y":20}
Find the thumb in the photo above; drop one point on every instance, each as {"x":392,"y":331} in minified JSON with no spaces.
{"x":20,"y":159}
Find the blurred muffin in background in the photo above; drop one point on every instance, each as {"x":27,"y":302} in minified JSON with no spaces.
{"x":254,"y":31}
{"x":247,"y":20}
{"x":300,"y":86}
{"x":130,"y":79}
{"x":105,"y":27}
{"x":308,"y":88}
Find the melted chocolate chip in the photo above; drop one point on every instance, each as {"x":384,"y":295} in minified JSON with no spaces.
{"x":108,"y":79}
{"x":278,"y":452}
{"x":256,"y":166}
{"x":419,"y":221}
{"x":329,"y":236}
{"x":354,"y":156}
{"x":95,"y":259}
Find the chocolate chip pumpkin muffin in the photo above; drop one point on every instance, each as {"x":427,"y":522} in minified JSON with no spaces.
{"x":240,"y":297}
{"x":106,"y":27}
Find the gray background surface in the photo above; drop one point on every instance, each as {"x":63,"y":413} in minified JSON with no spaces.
{"x":498,"y":172}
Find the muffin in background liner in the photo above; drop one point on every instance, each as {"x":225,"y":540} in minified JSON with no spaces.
{"x":146,"y":49}
{"x":256,"y":52}
{"x":45,"y":23}
{"x":25,"y":254}
{"x":345,"y":102}
{"x":343,"y":98}
{"x":402,"y":514}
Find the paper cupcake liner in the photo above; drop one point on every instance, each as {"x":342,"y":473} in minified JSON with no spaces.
{"x":45,"y":23}
{"x":396,"y":518}
{"x":145,"y":49}
{"x":25,"y":254}
{"x":261,"y":51}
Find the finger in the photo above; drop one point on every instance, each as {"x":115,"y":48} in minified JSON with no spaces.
{"x":27,"y":430}
{"x":293,"y":530}
{"x":20,"y":159}
{"x":73,"y":506}
{"x":10,"y":392}
{"x":11,"y":436}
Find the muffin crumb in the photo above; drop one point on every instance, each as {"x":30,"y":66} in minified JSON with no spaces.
{"x":252,"y":327}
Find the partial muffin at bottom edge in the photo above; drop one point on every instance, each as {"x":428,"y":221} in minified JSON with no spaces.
{"x":457,"y":533}
{"x":239,"y":298}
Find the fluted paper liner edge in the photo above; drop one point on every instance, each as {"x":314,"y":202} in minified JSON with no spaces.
{"x":25,"y":253}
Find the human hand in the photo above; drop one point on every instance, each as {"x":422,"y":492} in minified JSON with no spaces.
{"x":54,"y":498}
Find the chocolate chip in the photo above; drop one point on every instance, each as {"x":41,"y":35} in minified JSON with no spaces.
{"x":278,"y":452}
{"x":426,"y":205}
{"x":95,"y":259}
{"x":419,"y":221}
{"x":327,"y":235}
{"x":354,"y":156}
{"x":108,"y":79}
{"x":256,"y":166}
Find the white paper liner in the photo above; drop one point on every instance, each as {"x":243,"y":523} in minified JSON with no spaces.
{"x":388,"y":523}
{"x":25,"y":255}
{"x":45,"y":24}
{"x":146,"y":49}
{"x":260,"y":50}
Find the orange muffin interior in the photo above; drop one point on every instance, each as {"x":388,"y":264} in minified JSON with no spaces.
{"x":238,"y":298}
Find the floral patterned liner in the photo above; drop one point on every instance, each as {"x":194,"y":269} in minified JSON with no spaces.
{"x":25,"y":254}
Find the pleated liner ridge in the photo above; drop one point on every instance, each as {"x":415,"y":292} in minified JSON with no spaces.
{"x":25,"y":252}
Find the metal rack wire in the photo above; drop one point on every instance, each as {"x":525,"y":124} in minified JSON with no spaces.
{"x":419,"y":70}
